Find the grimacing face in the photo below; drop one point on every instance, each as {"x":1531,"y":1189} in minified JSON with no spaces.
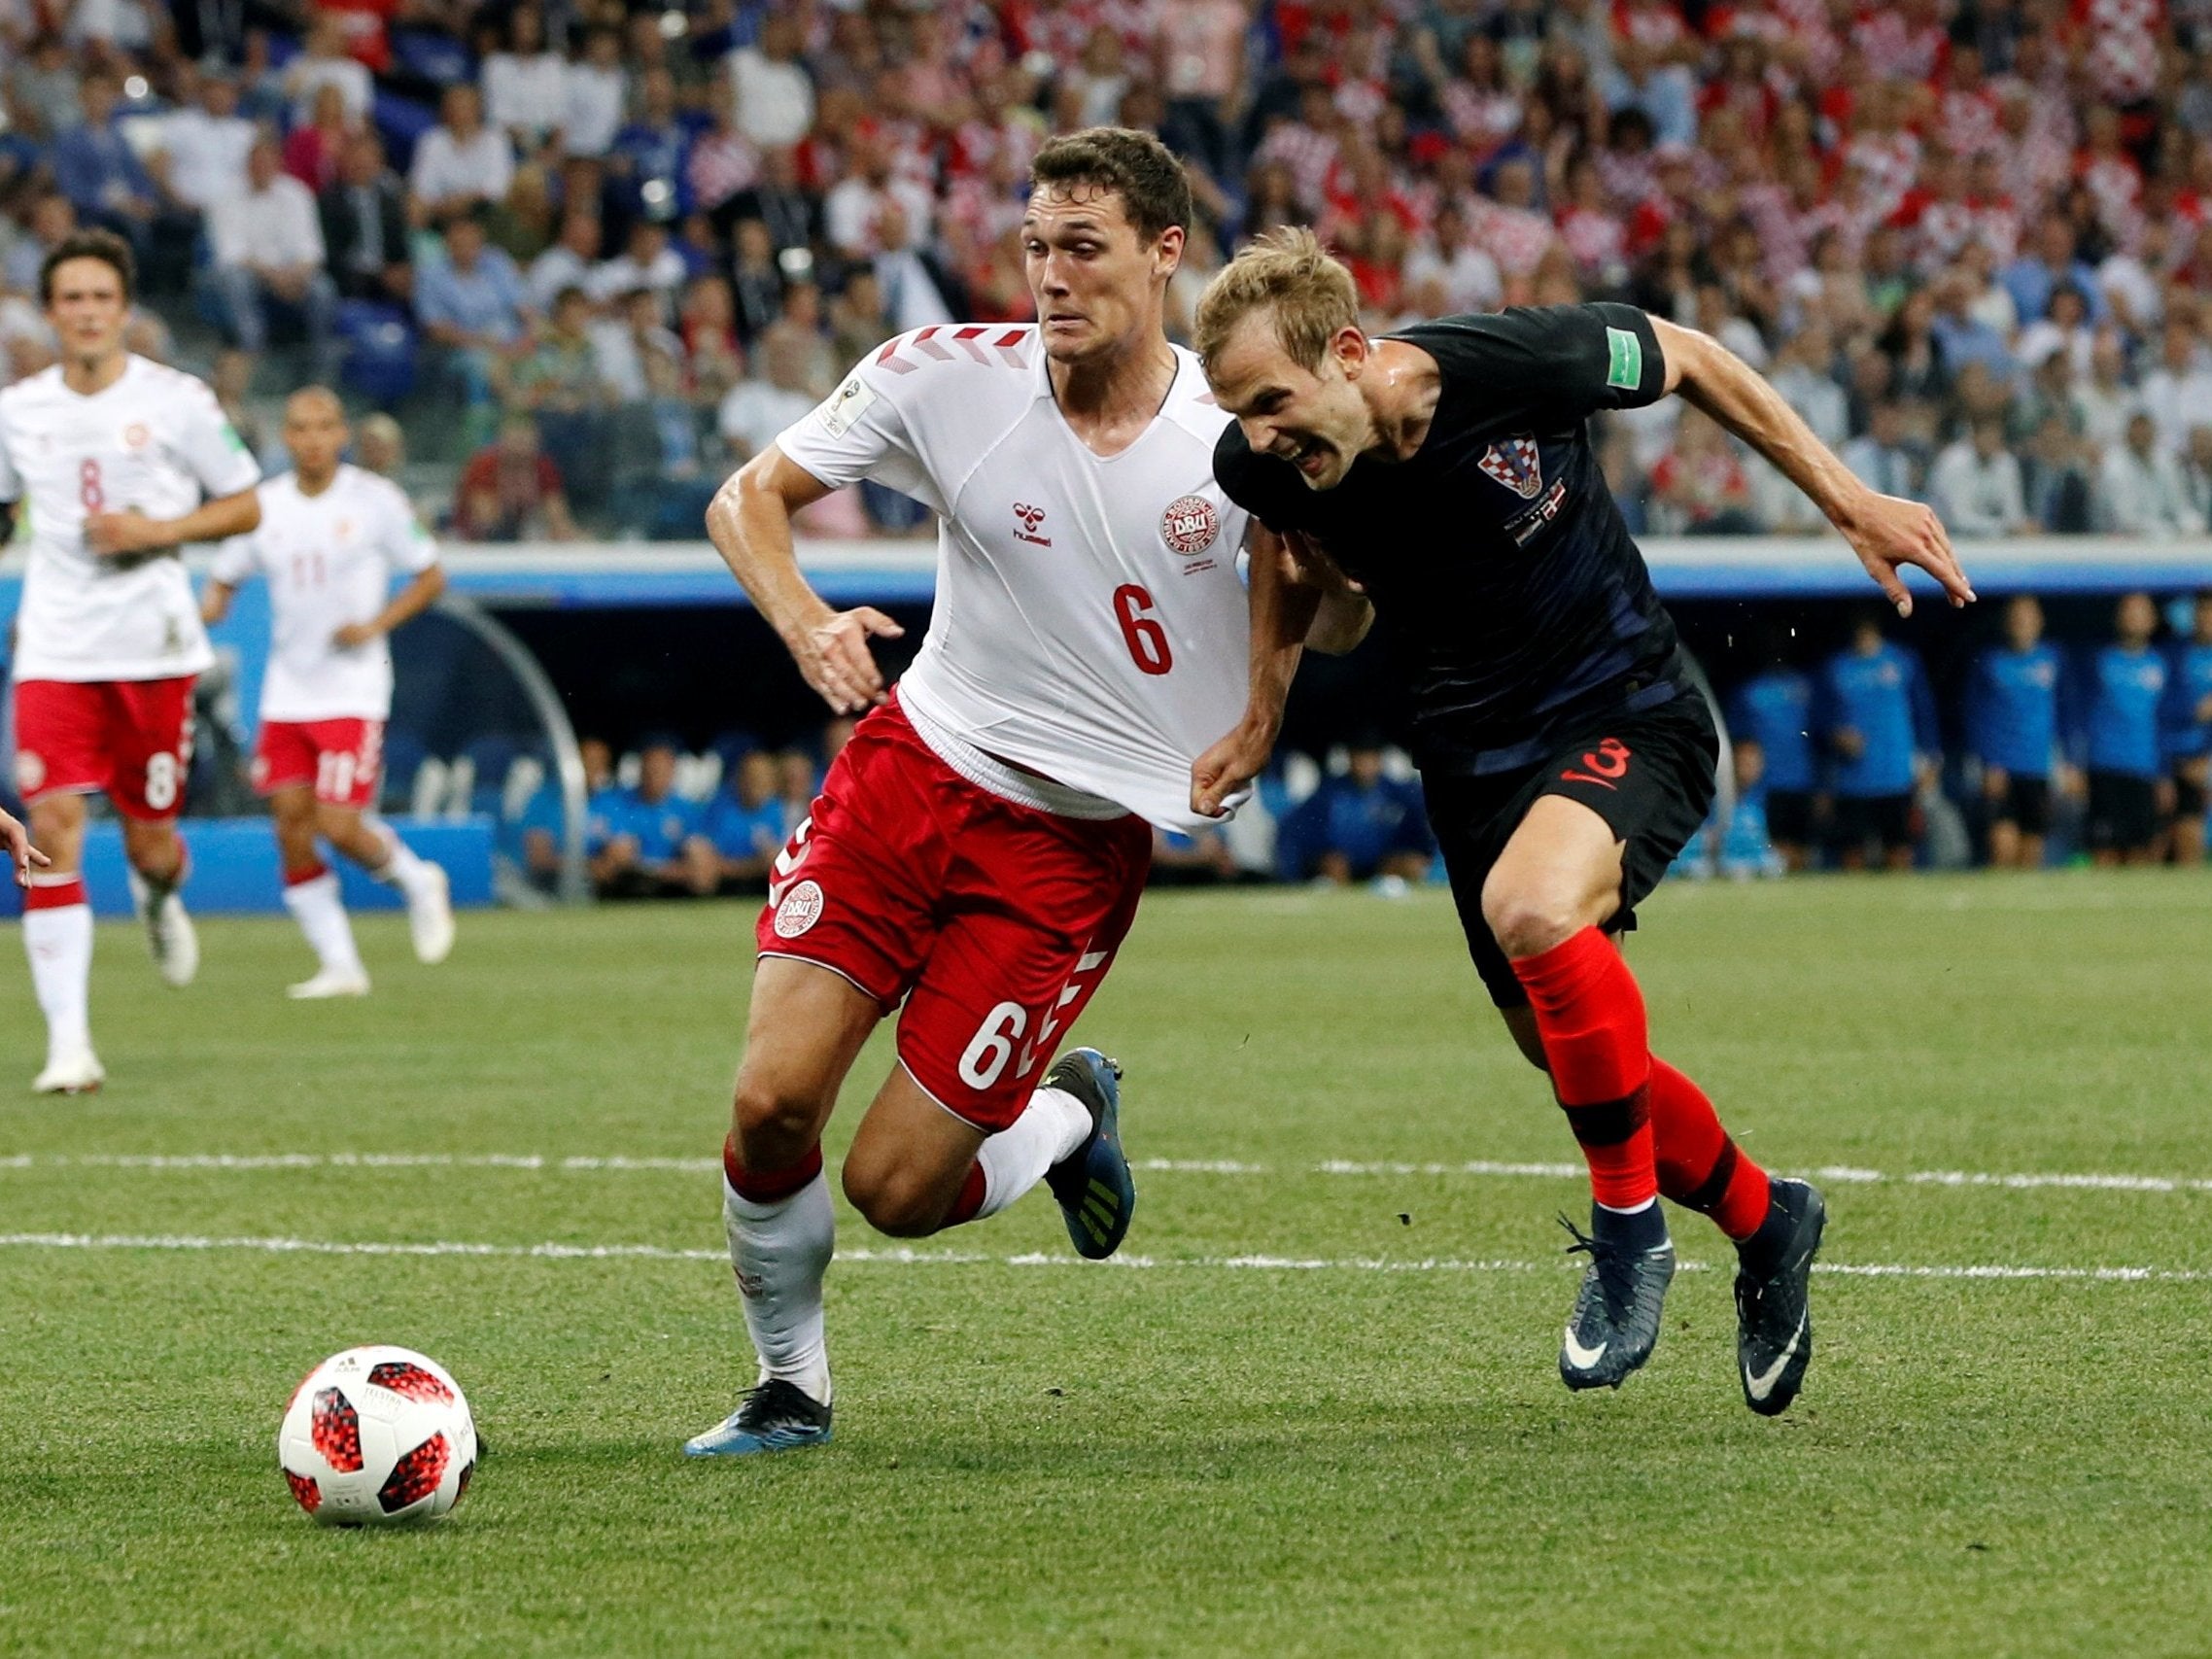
{"x":1316,"y":420}
{"x":1094,"y":279}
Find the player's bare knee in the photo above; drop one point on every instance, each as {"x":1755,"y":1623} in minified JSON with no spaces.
{"x":891,"y":1200}
{"x":776,"y":1124}
{"x":1529,"y":917}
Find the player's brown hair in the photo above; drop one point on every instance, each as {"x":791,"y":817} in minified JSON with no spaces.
{"x":1154,"y":191}
{"x":1288,"y":274}
{"x":89,"y":244}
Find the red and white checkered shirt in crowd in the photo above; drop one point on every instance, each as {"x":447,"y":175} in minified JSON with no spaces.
{"x":1656,"y":24}
{"x":1360,"y":100}
{"x":1940,"y":231}
{"x":1479,"y":117}
{"x":1784,"y":249}
{"x":1895,"y":51}
{"x":1516,"y":238}
{"x":1966,"y":123}
{"x":1996,"y":225}
{"x":1627,"y":179}
{"x":979,"y":145}
{"x":721,"y":164}
{"x":2123,"y":37}
{"x":2116,"y":185}
{"x":1822,"y":49}
{"x":1597,"y":242}
{"x":1306,"y":153}
{"x":1890,"y":162}
{"x":982,"y":208}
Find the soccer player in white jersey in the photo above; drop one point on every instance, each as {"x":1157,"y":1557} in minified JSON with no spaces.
{"x":331,"y":540}
{"x":979,"y":847}
{"x":121,"y":461}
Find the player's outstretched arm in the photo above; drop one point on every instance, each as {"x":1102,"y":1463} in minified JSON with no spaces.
{"x":749,"y":523}
{"x":214,"y":601}
{"x":120,"y":534}
{"x":1885,"y":532}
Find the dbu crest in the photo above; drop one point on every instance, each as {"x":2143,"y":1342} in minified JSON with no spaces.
{"x":1516,"y":464}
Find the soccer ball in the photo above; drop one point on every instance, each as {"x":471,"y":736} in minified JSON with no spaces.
{"x":375,"y":1437}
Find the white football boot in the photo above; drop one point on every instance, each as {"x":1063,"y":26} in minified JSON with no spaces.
{"x":170,"y":933}
{"x":429,"y":915}
{"x":73,"y":1071}
{"x":327,"y":983}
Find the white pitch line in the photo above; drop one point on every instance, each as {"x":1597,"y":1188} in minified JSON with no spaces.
{"x":906,"y":1256}
{"x":1838,"y":1174}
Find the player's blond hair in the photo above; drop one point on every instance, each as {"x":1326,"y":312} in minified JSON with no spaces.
{"x":1287,"y":273}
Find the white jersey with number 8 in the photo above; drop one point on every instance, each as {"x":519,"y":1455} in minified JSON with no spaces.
{"x":1090,"y":621}
{"x":154,"y":440}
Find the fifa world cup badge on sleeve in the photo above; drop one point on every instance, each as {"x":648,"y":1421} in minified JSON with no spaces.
{"x":846,"y":404}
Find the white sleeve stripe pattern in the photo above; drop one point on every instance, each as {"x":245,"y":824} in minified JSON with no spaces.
{"x":1007,"y":347}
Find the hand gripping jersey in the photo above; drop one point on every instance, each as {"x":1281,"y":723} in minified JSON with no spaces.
{"x":330,"y":559}
{"x":1089,"y":622}
{"x":154,"y":440}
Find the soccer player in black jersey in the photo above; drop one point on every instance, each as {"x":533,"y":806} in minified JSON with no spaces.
{"x":1444,"y":471}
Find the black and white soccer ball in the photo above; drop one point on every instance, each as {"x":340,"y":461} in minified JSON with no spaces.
{"x":377,"y":1436}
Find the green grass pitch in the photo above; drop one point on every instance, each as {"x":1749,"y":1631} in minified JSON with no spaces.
{"x":1319,"y":1414}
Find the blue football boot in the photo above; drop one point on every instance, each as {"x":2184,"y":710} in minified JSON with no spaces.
{"x":1096,"y":1193}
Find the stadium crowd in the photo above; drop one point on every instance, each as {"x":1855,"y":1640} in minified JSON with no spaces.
{"x":1972,"y":243}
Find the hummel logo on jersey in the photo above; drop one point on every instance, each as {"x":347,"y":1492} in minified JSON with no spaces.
{"x":1029,"y":518}
{"x":1515,"y":463}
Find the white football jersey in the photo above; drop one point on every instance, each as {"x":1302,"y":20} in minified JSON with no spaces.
{"x":1090,"y":620}
{"x":156,"y":440}
{"x":330,"y":559}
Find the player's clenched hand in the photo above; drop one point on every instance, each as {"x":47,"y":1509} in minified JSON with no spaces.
{"x":20,"y":852}
{"x":834,"y":658}
{"x":128,"y":532}
{"x":353,"y":636}
{"x":1887,"y":534}
{"x":1229,"y":766}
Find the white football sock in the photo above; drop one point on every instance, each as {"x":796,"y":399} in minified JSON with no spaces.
{"x":60,"y":945}
{"x":1051,"y":1127}
{"x":780,"y":1251}
{"x":322,"y":915}
{"x":400,"y":867}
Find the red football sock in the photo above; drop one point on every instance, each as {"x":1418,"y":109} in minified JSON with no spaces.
{"x":766,"y":1186}
{"x":54,"y":889}
{"x":1699,"y":1168}
{"x":971,"y":1198}
{"x":1590,"y":1016}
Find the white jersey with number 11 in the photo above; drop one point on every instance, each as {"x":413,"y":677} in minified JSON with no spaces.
{"x":1091,"y":617}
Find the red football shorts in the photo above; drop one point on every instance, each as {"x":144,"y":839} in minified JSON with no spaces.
{"x":131,"y":738}
{"x":342,"y":759}
{"x":993,"y":922}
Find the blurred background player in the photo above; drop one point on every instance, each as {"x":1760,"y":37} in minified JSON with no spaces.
{"x":332,"y":537}
{"x":1357,"y":826}
{"x":1877,"y":717}
{"x":2189,"y":734}
{"x":979,"y":845}
{"x":120,"y":461}
{"x":2012,"y":728}
{"x":1773,"y":710}
{"x":2123,"y":694}
{"x":1565,"y":751}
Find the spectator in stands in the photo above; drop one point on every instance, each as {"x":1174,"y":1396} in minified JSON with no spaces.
{"x":326,"y":61}
{"x":1880,"y":457}
{"x":459,"y":163}
{"x":380,"y":446}
{"x":1357,"y":826}
{"x":2189,"y":733}
{"x":312,"y":152}
{"x":204,"y":141}
{"x":602,"y":809}
{"x":649,"y":160}
{"x":95,"y":167}
{"x":2141,"y":490}
{"x":265,"y":248}
{"x":708,"y":324}
{"x":1874,"y":715}
{"x":364,"y":215}
{"x":745,"y":824}
{"x":2178,"y":392}
{"x":558,"y":381}
{"x":569,"y":263}
{"x":757,"y":411}
{"x":1976,"y":487}
{"x":2119,"y":739}
{"x":1804,"y":373}
{"x":796,"y":782}
{"x":658,"y":835}
{"x":471,"y":303}
{"x":1773,"y":710}
{"x":779,"y":200}
{"x":646,"y":264}
{"x":2102,"y":399}
{"x":2012,"y":729}
{"x":1746,"y":849}
{"x":2050,"y":264}
{"x":52,"y":220}
{"x":1700,"y":483}
{"x":526,"y":84}
{"x":1198,"y":860}
{"x":2055,"y":473}
{"x":774,"y":99}
{"x":510,"y":491}
{"x":45,"y":93}
{"x":596,"y":92}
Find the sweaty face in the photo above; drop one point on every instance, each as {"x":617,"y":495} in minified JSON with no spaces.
{"x":1096,"y":282}
{"x":1315,"y":419}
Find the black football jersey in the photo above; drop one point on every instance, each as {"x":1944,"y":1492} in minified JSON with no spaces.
{"x":1495,"y":555}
